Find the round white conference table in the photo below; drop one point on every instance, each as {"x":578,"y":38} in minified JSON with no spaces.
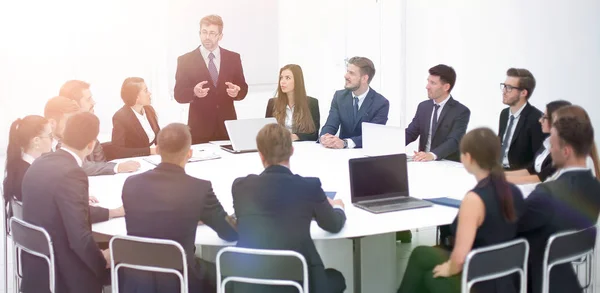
{"x":426,"y":180}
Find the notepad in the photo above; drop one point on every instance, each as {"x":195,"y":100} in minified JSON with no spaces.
{"x":445,"y":201}
{"x":330,"y":194}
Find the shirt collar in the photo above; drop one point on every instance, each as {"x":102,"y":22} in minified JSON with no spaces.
{"x":571,"y":169}
{"x":518,"y":113}
{"x":27,"y":158}
{"x":443,"y":102}
{"x":363,"y":96}
{"x":77,"y":158}
{"x":54,"y":144}
{"x":138,"y":114}
{"x":546,"y":143}
{"x":205,"y":52}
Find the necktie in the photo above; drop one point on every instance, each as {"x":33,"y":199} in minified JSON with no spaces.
{"x":435,"y":120}
{"x":212,"y":69}
{"x":507,"y":137}
{"x":355,"y":107}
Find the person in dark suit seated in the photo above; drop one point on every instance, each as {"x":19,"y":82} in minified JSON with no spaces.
{"x":28,"y":139}
{"x":488,"y":215}
{"x":355,"y":104}
{"x":292,"y":108}
{"x":58,"y":111}
{"x":135,"y":125}
{"x":441,"y":121}
{"x":275,"y":209}
{"x":542,"y":167}
{"x":519,"y":131}
{"x":55,"y":197}
{"x":570,"y":202}
{"x":210,"y":78}
{"x":166,"y":203}
{"x":95,"y":163}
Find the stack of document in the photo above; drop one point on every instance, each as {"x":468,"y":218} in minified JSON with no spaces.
{"x":197,"y":156}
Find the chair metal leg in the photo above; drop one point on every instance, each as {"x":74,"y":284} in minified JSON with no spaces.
{"x":5,"y":259}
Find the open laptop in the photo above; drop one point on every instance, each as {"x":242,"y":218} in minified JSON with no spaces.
{"x":379,"y":140}
{"x":242,"y":134}
{"x":380,"y":184}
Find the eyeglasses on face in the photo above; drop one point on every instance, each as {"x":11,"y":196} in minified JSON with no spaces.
{"x":508,"y":88}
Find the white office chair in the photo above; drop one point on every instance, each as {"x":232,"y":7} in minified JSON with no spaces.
{"x":496,"y":261}
{"x":148,"y":254}
{"x":35,"y":241}
{"x":261,"y":267}
{"x":569,"y":247}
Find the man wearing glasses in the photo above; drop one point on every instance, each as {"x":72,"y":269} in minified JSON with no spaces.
{"x":519,"y":130}
{"x":210,"y":78}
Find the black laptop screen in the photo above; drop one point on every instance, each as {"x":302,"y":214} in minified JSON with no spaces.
{"x":378,"y":177}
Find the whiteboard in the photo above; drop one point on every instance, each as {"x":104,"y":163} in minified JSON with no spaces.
{"x":250,"y":29}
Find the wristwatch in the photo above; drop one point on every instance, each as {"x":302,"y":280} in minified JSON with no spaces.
{"x":345,"y":143}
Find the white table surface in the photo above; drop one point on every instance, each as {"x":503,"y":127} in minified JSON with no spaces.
{"x":426,"y":180}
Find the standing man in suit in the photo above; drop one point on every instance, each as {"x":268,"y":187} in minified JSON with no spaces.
{"x":166,"y":203}
{"x":210,"y":78}
{"x":275,"y":210}
{"x":440,"y":122}
{"x":95,"y":163}
{"x":355,"y":104}
{"x":570,"y":202}
{"x":519,"y":131}
{"x":55,"y":197}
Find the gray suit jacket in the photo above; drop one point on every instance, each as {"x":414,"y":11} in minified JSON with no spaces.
{"x":95,"y":164}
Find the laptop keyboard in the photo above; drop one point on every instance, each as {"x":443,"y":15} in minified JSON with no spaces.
{"x":402,"y":203}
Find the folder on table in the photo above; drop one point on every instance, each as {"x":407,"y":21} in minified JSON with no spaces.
{"x":445,"y":201}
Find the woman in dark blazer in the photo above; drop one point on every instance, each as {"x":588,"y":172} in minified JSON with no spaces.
{"x":542,"y":166}
{"x":135,"y":126}
{"x":292,"y":108}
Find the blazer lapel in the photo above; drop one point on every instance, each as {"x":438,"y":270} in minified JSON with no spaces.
{"x":428,"y":113}
{"x":151,"y":116}
{"x":137,"y":126}
{"x":364,"y":108}
{"x":521,"y":122}
{"x":445,"y":111}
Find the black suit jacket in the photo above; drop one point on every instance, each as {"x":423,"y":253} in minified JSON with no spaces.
{"x":275,"y":210}
{"x":571,"y":202}
{"x":547,"y":168}
{"x":313,"y":107}
{"x":451,"y":127}
{"x":129,"y":139}
{"x":526,"y":139}
{"x":374,"y":109}
{"x":166,"y":203}
{"x":207,"y":115}
{"x":55,"y":197}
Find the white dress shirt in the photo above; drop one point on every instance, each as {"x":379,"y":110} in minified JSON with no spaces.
{"x":145,"y":124}
{"x":517,"y":115}
{"x":77,"y":158}
{"x":539,"y":160}
{"x":429,"y":138}
{"x":216,"y":60}
{"x":289,"y":117}
{"x":27,"y":158}
{"x":361,"y":99}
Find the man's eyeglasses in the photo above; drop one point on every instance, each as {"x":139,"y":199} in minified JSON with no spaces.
{"x":508,"y":88}
{"x":210,"y":34}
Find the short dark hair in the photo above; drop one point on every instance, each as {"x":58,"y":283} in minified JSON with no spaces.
{"x":174,"y":141}
{"x":577,"y":132}
{"x":81,"y":129}
{"x":366,"y":66}
{"x":526,"y":79}
{"x":72,"y":89}
{"x":446,"y":74}
{"x":274,"y":142}
{"x":553,"y":106}
{"x":58,"y":106}
{"x":130,"y":89}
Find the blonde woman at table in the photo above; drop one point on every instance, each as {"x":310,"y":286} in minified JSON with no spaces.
{"x":292,"y":108}
{"x":541,"y":168}
{"x":487,"y":215}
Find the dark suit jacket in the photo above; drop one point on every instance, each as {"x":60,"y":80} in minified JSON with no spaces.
{"x":526,"y":139}
{"x":55,"y":197}
{"x":167,"y":203}
{"x":207,"y":115}
{"x":128,"y":136}
{"x":547,"y":168}
{"x":95,"y":164}
{"x":275,"y":210}
{"x":451,"y":127}
{"x":374,"y":109}
{"x":570,"y":202}
{"x":313,"y":107}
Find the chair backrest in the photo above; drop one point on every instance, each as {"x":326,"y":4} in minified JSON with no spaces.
{"x":35,"y":241}
{"x":148,"y":254}
{"x":17,"y":208}
{"x":566,"y":247}
{"x":261,"y":266}
{"x":496,"y":261}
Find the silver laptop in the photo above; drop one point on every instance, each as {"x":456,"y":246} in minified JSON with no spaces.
{"x":242,"y":134}
{"x":380,"y":184}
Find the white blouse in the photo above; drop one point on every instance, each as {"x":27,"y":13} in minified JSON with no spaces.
{"x":145,"y":124}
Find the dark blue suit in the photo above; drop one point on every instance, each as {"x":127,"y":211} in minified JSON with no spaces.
{"x":451,"y":127}
{"x":274,"y":211}
{"x":374,"y":109}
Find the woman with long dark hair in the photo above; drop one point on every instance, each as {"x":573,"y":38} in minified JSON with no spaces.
{"x":488,"y":215}
{"x":28,"y":139}
{"x":292,"y":108}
